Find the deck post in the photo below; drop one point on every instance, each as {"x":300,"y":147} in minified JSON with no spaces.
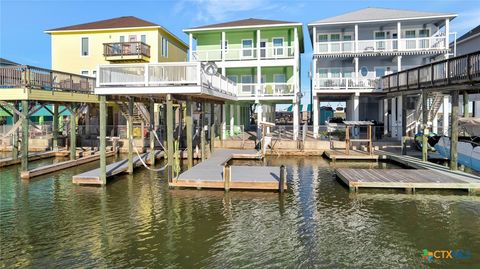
{"x":189,"y":136}
{"x":454,"y":132}
{"x":425,"y":127}
{"x":130,"y":135}
{"x":24,"y":163}
{"x":227,"y":174}
{"x":15,"y":136}
{"x":212,"y":127}
{"x":151,"y":130}
{"x":55,"y":127}
{"x":202,"y":141}
{"x":281,"y":182}
{"x":103,"y":137}
{"x":466,"y":112}
{"x":73,"y":133}
{"x":170,"y":149}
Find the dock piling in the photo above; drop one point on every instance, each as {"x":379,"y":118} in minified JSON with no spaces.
{"x":73,"y":132}
{"x":103,"y":137}
{"x":454,"y":132}
{"x":55,"y":128}
{"x":281,"y":182}
{"x":130,"y":135}
{"x":170,"y":124}
{"x":25,"y":138}
{"x":227,"y":174}
{"x":189,"y":136}
{"x":151,"y":130}
{"x":15,"y":135}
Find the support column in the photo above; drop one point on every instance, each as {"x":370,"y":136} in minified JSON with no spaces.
{"x":259,"y":119}
{"x":446,"y":118}
{"x":224,"y":121}
{"x":466,"y":112}
{"x":385,"y":116}
{"x":103,"y":137}
{"x":189,"y":123}
{"x":212,"y":127}
{"x":190,"y":47}
{"x":393,"y":115}
{"x":55,"y":127}
{"x":399,"y":35}
{"x":356,"y":37}
{"x":73,"y":133}
{"x":316,"y":119}
{"x":130,"y":135}
{"x":232,"y":118}
{"x":356,"y":69}
{"x":454,"y":132}
{"x":401,"y":115}
{"x":424,"y":127}
{"x":399,"y":63}
{"x":447,"y":36}
{"x":152,"y":130}
{"x":169,"y":136}
{"x":356,"y":106}
{"x":296,"y":119}
{"x":476,"y":109}
{"x":15,"y":136}
{"x":24,"y":148}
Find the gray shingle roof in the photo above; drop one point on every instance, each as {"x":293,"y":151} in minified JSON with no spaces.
{"x":470,"y":33}
{"x":379,"y":14}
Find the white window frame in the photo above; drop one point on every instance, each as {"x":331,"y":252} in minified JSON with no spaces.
{"x":120,"y":39}
{"x":81,"y":46}
{"x":249,"y":89}
{"x":251,"y":49}
{"x":231,"y":76}
{"x":145,"y":35}
{"x":164,"y":47}
{"x":282,"y":50}
{"x":84,"y":71}
{"x":265,"y":49}
{"x":379,"y":66}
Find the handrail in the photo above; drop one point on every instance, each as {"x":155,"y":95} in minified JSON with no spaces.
{"x":458,"y":70}
{"x":44,"y":79}
{"x":126,"y":48}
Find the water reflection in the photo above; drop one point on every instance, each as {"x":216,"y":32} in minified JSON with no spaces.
{"x":138,"y":221}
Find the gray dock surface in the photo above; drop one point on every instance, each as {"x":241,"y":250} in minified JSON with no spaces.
{"x":92,"y":177}
{"x":209,"y":173}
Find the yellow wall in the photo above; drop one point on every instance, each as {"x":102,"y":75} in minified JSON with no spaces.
{"x":66,"y":48}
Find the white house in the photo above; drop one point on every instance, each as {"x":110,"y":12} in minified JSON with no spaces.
{"x":351,"y":51}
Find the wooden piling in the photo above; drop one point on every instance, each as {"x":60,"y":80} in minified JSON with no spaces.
{"x":202,"y":142}
{"x":212,"y":127}
{"x":73,"y":133}
{"x":281,"y":182}
{"x":189,"y":136}
{"x":170,"y":124}
{"x":404,"y":145}
{"x":227,"y":174}
{"x":454,"y":132}
{"x":15,"y":135}
{"x":466,"y":112}
{"x":24,"y":149}
{"x":152,"y":130}
{"x":425,"y":127}
{"x":103,"y":137}
{"x":130,"y":135}
{"x":55,"y":128}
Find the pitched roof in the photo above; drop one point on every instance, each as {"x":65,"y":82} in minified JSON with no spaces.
{"x":120,"y":22}
{"x":5,"y":62}
{"x":469,"y":34}
{"x":379,"y":14}
{"x":243,"y":23}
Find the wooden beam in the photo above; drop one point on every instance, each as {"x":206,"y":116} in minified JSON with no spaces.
{"x":189,"y":136}
{"x":454,"y":132}
{"x":25,"y":138}
{"x":466,"y":112}
{"x":212,"y":127}
{"x":130,"y":135}
{"x":425,"y":127}
{"x":103,"y":142}
{"x":170,"y":136}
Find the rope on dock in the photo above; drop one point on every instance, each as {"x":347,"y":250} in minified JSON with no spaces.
{"x":141,"y":159}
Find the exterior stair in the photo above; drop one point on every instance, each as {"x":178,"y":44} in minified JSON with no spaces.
{"x":434,"y":102}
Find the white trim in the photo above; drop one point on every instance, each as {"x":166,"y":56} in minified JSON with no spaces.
{"x":94,"y":73}
{"x":81,"y":46}
{"x":252,"y":49}
{"x":241,"y":27}
{"x":383,"y":20}
{"x":281,"y":47}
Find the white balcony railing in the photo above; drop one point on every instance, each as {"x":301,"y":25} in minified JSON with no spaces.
{"x":162,"y":74}
{"x":382,"y":45}
{"x":345,"y":83}
{"x":245,"y":54}
{"x":266,"y":90}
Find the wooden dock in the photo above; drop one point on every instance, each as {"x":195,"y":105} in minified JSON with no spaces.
{"x":409,"y":179}
{"x":33,"y":157}
{"x":353,"y":155}
{"x":210,"y":173}
{"x":93,"y":177}
{"x":47,"y":169}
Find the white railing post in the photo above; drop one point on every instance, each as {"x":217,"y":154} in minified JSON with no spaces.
{"x":146,"y":74}
{"x":199,"y":73}
{"x":356,"y":38}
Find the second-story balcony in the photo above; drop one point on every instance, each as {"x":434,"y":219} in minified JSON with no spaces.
{"x":245,"y":54}
{"x":249,"y":90}
{"x":325,"y":84}
{"x":126,"y":52}
{"x":382,"y":46}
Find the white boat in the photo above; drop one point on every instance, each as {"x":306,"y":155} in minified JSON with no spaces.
{"x":468,"y":147}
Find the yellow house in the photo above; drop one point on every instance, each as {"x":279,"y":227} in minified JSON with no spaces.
{"x":80,"y":48}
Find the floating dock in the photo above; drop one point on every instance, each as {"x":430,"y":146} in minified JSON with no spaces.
{"x":33,"y":157}
{"x":210,"y":173}
{"x":93,"y":177}
{"x":353,"y":155}
{"x":406,"y":179}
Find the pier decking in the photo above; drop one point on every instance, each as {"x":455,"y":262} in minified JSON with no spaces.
{"x":93,"y":177}
{"x":405,"y":179}
{"x":210,"y":173}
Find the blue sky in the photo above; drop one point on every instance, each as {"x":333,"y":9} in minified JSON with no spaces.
{"x":22,"y":22}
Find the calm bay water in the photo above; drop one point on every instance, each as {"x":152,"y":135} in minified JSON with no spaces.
{"x":137,"y":221}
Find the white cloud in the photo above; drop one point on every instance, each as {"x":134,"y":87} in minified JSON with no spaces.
{"x":221,"y":10}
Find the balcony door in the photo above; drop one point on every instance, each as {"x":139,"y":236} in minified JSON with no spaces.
{"x":247,"y":84}
{"x":323,"y":43}
{"x":380,"y":37}
{"x":277,"y":46}
{"x":247,"y":48}
{"x":263,"y":48}
{"x":280,"y":83}
{"x":424,"y":42}
{"x":410,"y":42}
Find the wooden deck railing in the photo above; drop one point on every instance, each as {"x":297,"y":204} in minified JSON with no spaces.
{"x":44,"y":79}
{"x":126,"y":49}
{"x":463,"y":69}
